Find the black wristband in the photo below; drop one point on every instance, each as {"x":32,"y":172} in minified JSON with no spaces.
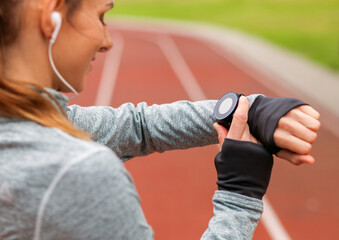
{"x":244,"y":168}
{"x":264,"y":115}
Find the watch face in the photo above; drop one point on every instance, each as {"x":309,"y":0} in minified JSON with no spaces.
{"x":226,"y":106}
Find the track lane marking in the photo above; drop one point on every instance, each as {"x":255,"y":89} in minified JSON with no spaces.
{"x":110,"y":72}
{"x":272,"y":223}
{"x":180,"y":68}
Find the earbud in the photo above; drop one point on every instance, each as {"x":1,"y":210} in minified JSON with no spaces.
{"x":57,"y":20}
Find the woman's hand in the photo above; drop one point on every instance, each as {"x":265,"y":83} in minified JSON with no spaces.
{"x":242,"y":165}
{"x":239,"y":129}
{"x":295,"y":134}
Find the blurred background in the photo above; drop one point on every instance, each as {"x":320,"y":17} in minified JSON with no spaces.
{"x":308,"y":27}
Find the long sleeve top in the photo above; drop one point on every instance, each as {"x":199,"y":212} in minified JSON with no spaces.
{"x":55,"y":186}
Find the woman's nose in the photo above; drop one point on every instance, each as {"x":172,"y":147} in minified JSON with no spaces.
{"x":107,"y":43}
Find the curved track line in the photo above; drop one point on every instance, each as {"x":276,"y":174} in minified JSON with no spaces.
{"x":272,"y":223}
{"x":270,"y":219}
{"x":180,"y":68}
{"x":110,"y":72}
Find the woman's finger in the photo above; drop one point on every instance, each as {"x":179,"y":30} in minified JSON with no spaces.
{"x":309,"y":111}
{"x":247,"y":134}
{"x":239,"y":122}
{"x":305,"y":119}
{"x":294,"y":158}
{"x":285,"y":140}
{"x":297,"y":129}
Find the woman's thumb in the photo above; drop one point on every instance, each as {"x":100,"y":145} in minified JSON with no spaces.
{"x":239,"y":122}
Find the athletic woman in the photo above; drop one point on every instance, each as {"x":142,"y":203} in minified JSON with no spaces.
{"x":61,"y":176}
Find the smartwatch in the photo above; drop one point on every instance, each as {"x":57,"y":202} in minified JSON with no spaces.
{"x":225,"y":108}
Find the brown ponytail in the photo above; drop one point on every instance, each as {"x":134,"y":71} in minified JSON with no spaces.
{"x":25,"y":101}
{"x":21,"y":100}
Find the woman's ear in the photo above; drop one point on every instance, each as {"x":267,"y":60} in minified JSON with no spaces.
{"x":46,"y":23}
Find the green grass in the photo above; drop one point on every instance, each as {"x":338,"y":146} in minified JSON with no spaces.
{"x":309,"y":27}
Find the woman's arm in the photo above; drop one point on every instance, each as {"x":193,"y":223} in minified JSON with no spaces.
{"x":244,"y":170}
{"x":235,"y":217}
{"x":136,"y":131}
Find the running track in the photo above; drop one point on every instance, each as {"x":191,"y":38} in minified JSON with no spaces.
{"x":176,"y":187}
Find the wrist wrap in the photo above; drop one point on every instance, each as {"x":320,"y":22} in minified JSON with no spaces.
{"x":244,"y":168}
{"x":264,"y":115}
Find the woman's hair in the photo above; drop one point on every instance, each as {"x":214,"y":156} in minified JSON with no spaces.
{"x":22,"y":100}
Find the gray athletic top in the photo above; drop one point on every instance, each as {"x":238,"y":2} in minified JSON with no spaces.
{"x":55,"y":186}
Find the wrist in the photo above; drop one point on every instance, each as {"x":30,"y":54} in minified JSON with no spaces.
{"x":244,"y":168}
{"x":264,"y":115}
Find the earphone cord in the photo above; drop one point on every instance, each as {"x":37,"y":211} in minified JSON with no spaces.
{"x":57,"y":72}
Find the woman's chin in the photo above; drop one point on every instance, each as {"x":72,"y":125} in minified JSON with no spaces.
{"x":80,"y":88}
{"x":89,"y":69}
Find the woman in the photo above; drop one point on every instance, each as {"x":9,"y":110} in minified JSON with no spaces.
{"x":59,"y":184}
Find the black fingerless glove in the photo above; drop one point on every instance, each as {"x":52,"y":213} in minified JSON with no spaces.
{"x":244,"y":168}
{"x":264,"y":115}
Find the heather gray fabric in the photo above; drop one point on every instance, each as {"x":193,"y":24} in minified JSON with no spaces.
{"x":54,"y":186}
{"x":235,"y":217}
{"x":137,"y":131}
{"x":64,"y":188}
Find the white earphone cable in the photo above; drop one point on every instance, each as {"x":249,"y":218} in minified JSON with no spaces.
{"x":57,"y":72}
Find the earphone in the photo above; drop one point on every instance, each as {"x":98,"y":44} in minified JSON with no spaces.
{"x":57,"y":20}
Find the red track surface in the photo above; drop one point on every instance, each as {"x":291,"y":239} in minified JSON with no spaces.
{"x":176,"y":187}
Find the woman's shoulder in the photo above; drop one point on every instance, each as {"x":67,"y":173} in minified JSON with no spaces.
{"x":33,"y":155}
{"x":53,"y":175}
{"x":44,"y":145}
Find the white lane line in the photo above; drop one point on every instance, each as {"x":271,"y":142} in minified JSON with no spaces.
{"x":180,"y":67}
{"x":269,"y":218}
{"x":110,"y":72}
{"x":272,"y":223}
